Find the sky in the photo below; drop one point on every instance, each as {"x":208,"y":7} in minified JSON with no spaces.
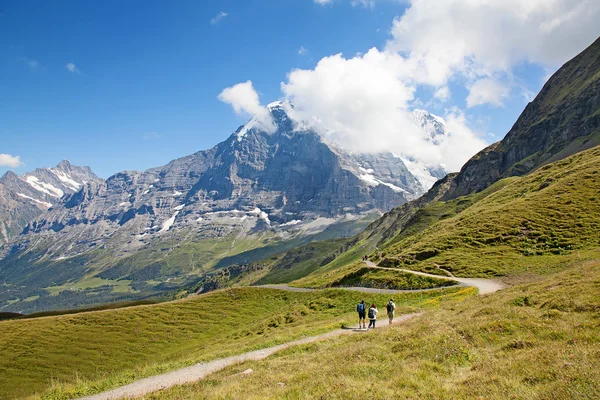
{"x":132,"y":85}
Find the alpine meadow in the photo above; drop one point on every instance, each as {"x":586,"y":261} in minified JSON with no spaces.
{"x":430,"y":167}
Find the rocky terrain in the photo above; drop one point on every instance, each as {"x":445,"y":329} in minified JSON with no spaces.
{"x":23,"y":198}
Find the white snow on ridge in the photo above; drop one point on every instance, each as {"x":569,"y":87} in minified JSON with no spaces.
{"x":262,"y":215}
{"x":179,"y":208}
{"x":64,"y":178}
{"x":372,"y":181}
{"x":291,"y":223}
{"x":43,"y":186}
{"x":177,"y":193}
{"x":420,"y":172}
{"x":43,"y":203}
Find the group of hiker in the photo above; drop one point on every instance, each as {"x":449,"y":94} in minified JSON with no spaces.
{"x":371,"y":313}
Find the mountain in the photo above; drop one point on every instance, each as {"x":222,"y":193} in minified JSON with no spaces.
{"x":477,"y":221}
{"x":265,"y":189}
{"x":563,"y":119}
{"x":25,"y":197}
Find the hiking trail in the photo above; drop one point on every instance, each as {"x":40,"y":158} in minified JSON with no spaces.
{"x":198,"y":371}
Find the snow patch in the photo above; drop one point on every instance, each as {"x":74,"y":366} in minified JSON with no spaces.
{"x":291,"y":223}
{"x":43,"y":203}
{"x":177,"y":193}
{"x":43,"y":186}
{"x":66,"y":179}
{"x":262,"y":215}
{"x":420,"y":172}
{"x":372,"y":181}
{"x":179,"y":208}
{"x":123,"y":204}
{"x":169,"y":223}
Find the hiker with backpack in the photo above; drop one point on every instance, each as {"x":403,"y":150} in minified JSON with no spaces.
{"x":361,"y":308}
{"x":372,"y":316}
{"x":390,"y":307}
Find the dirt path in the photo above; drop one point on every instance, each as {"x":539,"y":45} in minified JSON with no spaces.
{"x":485,"y":286}
{"x":201,"y":370}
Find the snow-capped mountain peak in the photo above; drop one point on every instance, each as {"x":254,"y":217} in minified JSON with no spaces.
{"x":434,"y":126}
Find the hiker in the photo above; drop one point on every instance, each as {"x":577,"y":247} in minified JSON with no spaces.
{"x":361,"y":308}
{"x":372,"y":316}
{"x":390,"y":307}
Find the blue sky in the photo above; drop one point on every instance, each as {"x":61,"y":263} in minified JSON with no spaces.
{"x":145,"y":75}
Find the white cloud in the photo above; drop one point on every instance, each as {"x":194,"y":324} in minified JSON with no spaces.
{"x":365,"y":103}
{"x":302,"y":50}
{"x":6,"y":160}
{"x":442,"y":94}
{"x":33,"y":64}
{"x":365,"y":100}
{"x":323,"y":2}
{"x":477,"y":38}
{"x":217,"y":18}
{"x":72,"y":68}
{"x":487,"y":91}
{"x":244,"y":100}
{"x":364,"y":3}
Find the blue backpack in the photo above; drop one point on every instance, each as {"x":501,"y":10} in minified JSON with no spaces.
{"x":360,"y":308}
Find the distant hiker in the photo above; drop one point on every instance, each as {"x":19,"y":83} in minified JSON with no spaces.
{"x":372,"y":316}
{"x":390,"y":307}
{"x":361,"y":309}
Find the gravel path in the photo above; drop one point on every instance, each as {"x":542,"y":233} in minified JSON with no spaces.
{"x":201,"y":370}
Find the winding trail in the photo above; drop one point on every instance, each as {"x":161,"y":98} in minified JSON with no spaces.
{"x":485,"y":286}
{"x":201,"y":370}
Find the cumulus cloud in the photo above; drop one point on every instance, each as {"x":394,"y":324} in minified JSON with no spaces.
{"x":302,"y":50}
{"x":72,"y":68}
{"x":365,"y":104}
{"x":244,"y":100}
{"x":488,"y":91}
{"x":6,"y":160}
{"x":445,"y":37}
{"x":217,"y":18}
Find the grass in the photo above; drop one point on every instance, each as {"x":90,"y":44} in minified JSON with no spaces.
{"x":66,"y":356}
{"x":536,"y":340}
{"x":517,"y":225}
{"x":357,"y":274}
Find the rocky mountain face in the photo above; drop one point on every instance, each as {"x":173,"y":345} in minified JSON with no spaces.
{"x":286,"y":180}
{"x":563,"y":119}
{"x":262,"y":190}
{"x":23,"y":198}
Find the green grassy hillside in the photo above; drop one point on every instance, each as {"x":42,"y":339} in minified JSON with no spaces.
{"x":35,"y":283}
{"x":536,"y":340}
{"x":517,"y":225}
{"x":71,"y":355}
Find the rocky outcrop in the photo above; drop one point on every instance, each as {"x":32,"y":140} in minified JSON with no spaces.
{"x":23,"y":198}
{"x":563,"y":119}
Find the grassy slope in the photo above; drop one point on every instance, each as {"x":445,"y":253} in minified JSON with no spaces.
{"x":68,"y":355}
{"x":155,"y":270}
{"x":537,"y":340}
{"x":517,"y":225}
{"x":553,"y":211}
{"x":357,"y":274}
